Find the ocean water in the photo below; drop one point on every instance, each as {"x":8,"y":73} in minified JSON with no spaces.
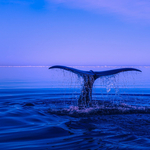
{"x":39,"y":111}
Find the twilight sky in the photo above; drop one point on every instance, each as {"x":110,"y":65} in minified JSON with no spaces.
{"x":74,"y":32}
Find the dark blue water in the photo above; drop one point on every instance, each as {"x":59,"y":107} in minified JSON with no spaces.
{"x":38,"y":110}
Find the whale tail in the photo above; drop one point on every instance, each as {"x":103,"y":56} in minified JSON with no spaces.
{"x":89,"y":78}
{"x":96,"y":74}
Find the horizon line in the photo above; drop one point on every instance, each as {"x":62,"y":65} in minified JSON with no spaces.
{"x":76,"y":66}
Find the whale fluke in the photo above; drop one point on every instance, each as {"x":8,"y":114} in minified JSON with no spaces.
{"x":89,"y":78}
{"x":76,"y":71}
{"x":114,"y":71}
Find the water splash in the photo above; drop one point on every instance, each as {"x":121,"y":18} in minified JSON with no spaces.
{"x":105,"y":108}
{"x":107,"y":99}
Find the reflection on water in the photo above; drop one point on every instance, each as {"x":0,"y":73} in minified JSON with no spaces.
{"x":38,"y":110}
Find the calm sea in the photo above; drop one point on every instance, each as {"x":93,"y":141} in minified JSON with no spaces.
{"x":38,"y":110}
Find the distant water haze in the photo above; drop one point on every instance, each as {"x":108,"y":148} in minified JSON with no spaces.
{"x":41,"y":76}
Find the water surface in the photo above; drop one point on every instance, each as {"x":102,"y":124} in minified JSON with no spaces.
{"x":38,"y":110}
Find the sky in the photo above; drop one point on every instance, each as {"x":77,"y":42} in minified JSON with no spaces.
{"x":74,"y":32}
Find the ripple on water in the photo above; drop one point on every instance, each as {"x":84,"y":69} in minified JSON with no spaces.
{"x":36,"y":122}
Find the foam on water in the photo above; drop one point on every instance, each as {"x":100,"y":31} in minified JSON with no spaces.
{"x":106,"y":108}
